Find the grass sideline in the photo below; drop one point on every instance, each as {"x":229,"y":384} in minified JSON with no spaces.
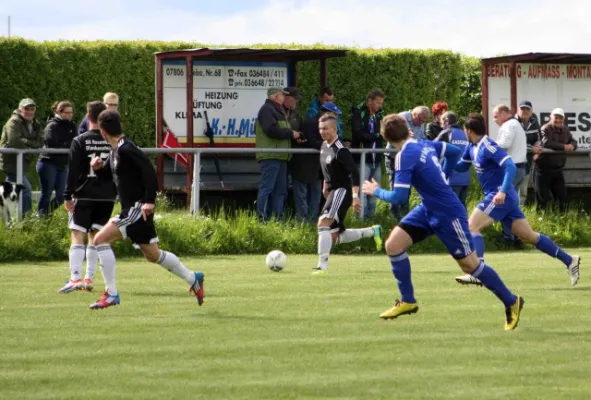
{"x":291,"y":335}
{"x":240,"y":232}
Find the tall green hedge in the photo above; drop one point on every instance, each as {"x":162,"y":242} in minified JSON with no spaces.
{"x":83,"y":71}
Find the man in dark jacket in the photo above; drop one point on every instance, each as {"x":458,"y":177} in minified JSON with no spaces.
{"x":22,"y":131}
{"x":273,"y":130}
{"x":531,"y":126}
{"x":305,"y":172}
{"x":548,"y":177}
{"x":365,"y":127}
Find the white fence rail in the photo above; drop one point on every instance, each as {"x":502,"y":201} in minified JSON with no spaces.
{"x":197,"y":152}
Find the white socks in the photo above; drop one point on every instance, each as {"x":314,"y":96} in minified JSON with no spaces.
{"x":172,"y":263}
{"x":91,"y":261}
{"x":76,"y":260}
{"x":353,"y":235}
{"x":324,"y":246}
{"x":107,"y":257}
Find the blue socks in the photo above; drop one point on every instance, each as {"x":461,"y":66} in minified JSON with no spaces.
{"x":479,"y":245}
{"x":401,"y":272}
{"x":493,"y":282}
{"x":546,"y":245}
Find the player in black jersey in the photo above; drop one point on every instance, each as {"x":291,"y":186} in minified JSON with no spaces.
{"x":136,"y":182}
{"x":341,"y":189}
{"x":89,"y":199}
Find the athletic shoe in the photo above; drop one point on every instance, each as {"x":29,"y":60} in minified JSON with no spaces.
{"x":105,"y":301}
{"x":377,"y":236}
{"x":197,"y":288}
{"x":400,"y":308}
{"x":71,"y":286}
{"x":573,"y":270}
{"x":513,"y":313}
{"x":468,"y":280}
{"x":319,"y":271}
{"x":87,"y":285}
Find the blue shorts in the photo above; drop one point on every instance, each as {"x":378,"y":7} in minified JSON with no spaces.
{"x":508,"y":212}
{"x":453,"y":231}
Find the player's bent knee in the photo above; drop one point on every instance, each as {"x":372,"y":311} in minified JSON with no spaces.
{"x":151,"y":252}
{"x":469,"y":263}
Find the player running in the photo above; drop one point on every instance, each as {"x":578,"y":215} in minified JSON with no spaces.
{"x":89,"y":199}
{"x":135,"y":179}
{"x":495,"y":170}
{"x":340,"y":189}
{"x":440,"y":212}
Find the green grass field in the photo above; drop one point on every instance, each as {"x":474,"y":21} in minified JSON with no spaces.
{"x":291,"y":335}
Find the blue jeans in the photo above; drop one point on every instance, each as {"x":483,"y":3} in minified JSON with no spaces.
{"x":519,"y":177}
{"x":26,"y":193}
{"x":272,"y":189}
{"x":51,"y":177}
{"x":371,"y":172}
{"x":306,"y":197}
{"x":461,"y":192}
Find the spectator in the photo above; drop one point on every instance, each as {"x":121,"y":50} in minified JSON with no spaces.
{"x":111,"y":100}
{"x":548,"y":177}
{"x":511,"y":138}
{"x":306,"y":175}
{"x":273,"y":131}
{"x":454,"y":134}
{"x":21,"y":131}
{"x":326,"y":95}
{"x":365,"y":127}
{"x":52,"y":168}
{"x":416,"y":119}
{"x":435,"y":127}
{"x":531,"y":126}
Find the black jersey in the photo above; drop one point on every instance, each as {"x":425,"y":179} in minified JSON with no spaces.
{"x":133,"y":174}
{"x":82,"y":182}
{"x":338,"y":167}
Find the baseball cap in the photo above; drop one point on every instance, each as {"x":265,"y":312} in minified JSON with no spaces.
{"x":525,"y":104}
{"x":293,"y":92}
{"x":332,"y":107}
{"x":26,"y":103}
{"x":558,"y":111}
{"x":275,"y":90}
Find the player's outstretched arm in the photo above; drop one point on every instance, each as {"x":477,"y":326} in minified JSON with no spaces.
{"x":510,"y":170}
{"x":450,"y":155}
{"x":465,"y":162}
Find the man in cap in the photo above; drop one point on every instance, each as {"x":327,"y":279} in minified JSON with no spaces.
{"x":273,"y":130}
{"x":531,"y":126}
{"x":548,"y":177}
{"x":326,"y":96}
{"x":21,"y":131}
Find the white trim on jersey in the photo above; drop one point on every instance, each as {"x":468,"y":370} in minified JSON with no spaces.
{"x":462,"y":236}
{"x":442,"y":155}
{"x":504,"y":159}
{"x":402,"y":185}
{"x":489,"y":146}
{"x":397,"y":162}
{"x":489,"y":208}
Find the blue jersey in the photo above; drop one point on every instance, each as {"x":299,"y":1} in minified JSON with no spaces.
{"x":488,"y":159}
{"x":418,"y":165}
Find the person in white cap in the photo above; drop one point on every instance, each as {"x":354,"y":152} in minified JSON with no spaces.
{"x":548,"y":177}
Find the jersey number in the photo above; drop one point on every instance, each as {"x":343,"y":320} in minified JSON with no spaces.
{"x":103,"y":156}
{"x":436,"y":162}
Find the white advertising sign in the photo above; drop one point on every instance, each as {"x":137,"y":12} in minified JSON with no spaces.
{"x":231,"y":93}
{"x":547,"y":86}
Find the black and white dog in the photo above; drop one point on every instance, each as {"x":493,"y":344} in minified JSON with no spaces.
{"x":9,"y":196}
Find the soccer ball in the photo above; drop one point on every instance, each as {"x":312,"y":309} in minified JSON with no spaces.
{"x":276,"y":260}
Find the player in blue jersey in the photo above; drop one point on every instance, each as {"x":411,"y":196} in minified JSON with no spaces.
{"x":440,"y":212}
{"x":495,"y":170}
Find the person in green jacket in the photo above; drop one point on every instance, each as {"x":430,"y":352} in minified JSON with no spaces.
{"x":21,"y":131}
{"x":273,"y":131}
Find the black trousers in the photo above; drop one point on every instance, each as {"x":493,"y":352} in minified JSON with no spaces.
{"x":550,"y":187}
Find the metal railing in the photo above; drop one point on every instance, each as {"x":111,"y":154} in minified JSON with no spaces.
{"x":197,"y":152}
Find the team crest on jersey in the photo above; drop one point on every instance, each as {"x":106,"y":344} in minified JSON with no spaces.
{"x":328,"y":159}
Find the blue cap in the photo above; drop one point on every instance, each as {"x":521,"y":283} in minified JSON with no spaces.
{"x":332,"y":107}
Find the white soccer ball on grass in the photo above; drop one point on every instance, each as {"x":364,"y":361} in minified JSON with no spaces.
{"x":276,"y":260}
